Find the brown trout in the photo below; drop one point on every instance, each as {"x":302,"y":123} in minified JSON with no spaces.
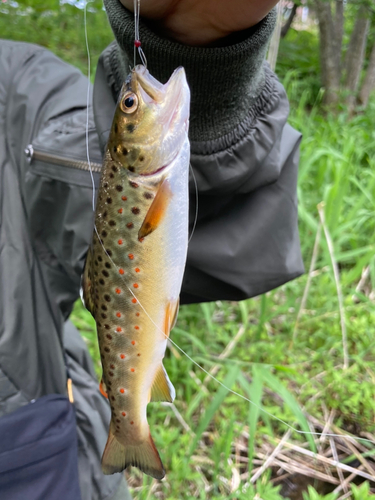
{"x":134,"y":267}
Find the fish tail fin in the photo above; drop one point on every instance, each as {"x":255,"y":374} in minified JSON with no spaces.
{"x":145,"y":456}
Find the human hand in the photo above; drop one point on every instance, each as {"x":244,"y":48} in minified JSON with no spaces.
{"x":201,"y":22}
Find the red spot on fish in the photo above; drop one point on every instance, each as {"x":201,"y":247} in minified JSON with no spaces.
{"x":135,"y":285}
{"x":118,"y":315}
{"x":137,"y":314}
{"x":118,"y":291}
{"x":131,"y":256}
{"x":121,"y":271}
{"x":119,"y":329}
{"x":122,"y":356}
{"x":133,"y":342}
{"x":134,"y":301}
{"x":136,"y":327}
{"x":120,"y":242}
{"x":141,"y":239}
{"x":137,"y":270}
{"x":122,"y":390}
{"x":124,"y":198}
{"x":123,"y":414}
{"x":120,"y":210}
{"x":137,"y":43}
{"x":139,"y":354}
{"x":132,"y":370}
{"x":131,"y":423}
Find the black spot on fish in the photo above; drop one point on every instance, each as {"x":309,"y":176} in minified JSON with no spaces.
{"x":107,"y":327}
{"x":130,"y":127}
{"x":135,"y":210}
{"x":101,"y":281}
{"x":109,"y":337}
{"x":148,"y":195}
{"x":133,"y":184}
{"x":104,"y":316}
{"x":96,"y":263}
{"x":104,"y":234}
{"x":107,"y":297}
{"x":108,"y":265}
{"x":104,"y":307}
{"x":109,"y":252}
{"x":105,"y":214}
{"x":124,"y":151}
{"x":111,"y":175}
{"x":114,"y":168}
{"x":141,"y":158}
{"x":105,"y":184}
{"x":112,"y":223}
{"x":110,"y":373}
{"x":107,"y":349}
{"x":119,"y":187}
{"x":116,"y":128}
{"x":130,"y":225}
{"x":105,"y":273}
{"x":100,"y":258}
{"x":131,"y":169}
{"x":109,"y":200}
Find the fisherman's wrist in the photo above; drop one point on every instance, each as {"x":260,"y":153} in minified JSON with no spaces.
{"x":225,"y":81}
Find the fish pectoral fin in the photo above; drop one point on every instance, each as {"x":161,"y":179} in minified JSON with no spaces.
{"x":117,"y":456}
{"x":86,"y":284}
{"x":157,"y":209}
{"x":171,"y":313}
{"x":103,"y":389}
{"x":162,"y":388}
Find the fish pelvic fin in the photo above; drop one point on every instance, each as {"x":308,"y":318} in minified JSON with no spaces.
{"x":86,"y":284}
{"x":145,"y":456}
{"x":103,"y":389}
{"x":162,"y":389}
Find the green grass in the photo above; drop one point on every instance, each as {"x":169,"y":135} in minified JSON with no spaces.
{"x":278,"y":375}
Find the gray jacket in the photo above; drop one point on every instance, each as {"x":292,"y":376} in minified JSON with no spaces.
{"x":245,"y":242}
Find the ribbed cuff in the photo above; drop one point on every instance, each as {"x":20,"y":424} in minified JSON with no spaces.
{"x":224,"y":81}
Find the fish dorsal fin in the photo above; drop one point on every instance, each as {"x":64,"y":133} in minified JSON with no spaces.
{"x":171,"y":313}
{"x":103,"y":389}
{"x":157,"y":210}
{"x":86,"y":284}
{"x":162,"y":389}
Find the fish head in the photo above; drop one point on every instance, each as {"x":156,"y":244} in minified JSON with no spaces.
{"x":151,"y":121}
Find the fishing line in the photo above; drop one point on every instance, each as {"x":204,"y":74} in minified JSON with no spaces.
{"x":137,"y":41}
{"x":196,"y":202}
{"x":241,"y":396}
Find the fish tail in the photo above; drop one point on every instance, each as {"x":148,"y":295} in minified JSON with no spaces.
{"x":145,"y":456}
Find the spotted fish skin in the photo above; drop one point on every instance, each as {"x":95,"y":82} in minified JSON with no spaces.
{"x":135,"y":265}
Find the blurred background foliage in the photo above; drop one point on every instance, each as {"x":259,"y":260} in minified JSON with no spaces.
{"x":284,"y":350}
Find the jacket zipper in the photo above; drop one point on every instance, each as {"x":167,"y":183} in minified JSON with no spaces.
{"x":31,"y":155}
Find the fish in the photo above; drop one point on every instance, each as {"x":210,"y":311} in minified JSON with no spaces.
{"x":134,"y":267}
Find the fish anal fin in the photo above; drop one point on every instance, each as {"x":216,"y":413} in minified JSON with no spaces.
{"x":86,"y":284}
{"x":118,"y":456}
{"x":162,"y":388}
{"x":157,"y":210}
{"x":103,"y":389}
{"x":171,"y":313}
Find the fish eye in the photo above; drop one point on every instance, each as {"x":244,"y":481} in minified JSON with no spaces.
{"x":129,"y":102}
